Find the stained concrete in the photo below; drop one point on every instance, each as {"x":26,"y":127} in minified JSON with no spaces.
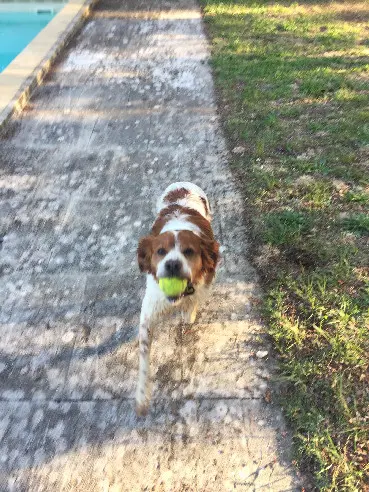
{"x":129,"y":109}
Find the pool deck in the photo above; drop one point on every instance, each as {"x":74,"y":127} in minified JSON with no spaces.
{"x":28,"y":69}
{"x":128,"y":109}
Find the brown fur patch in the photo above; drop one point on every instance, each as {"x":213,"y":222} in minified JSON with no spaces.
{"x":163,"y":217}
{"x":166,"y":242}
{"x":147,"y":251}
{"x":210,"y":258}
{"x":144,"y":252}
{"x":175,"y":195}
{"x":197,"y":219}
{"x":205,"y":255}
{"x":193,"y":216}
{"x":205,"y":205}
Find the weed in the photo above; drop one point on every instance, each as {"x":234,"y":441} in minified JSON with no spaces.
{"x":357,"y":196}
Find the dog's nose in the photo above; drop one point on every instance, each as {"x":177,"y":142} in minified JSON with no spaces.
{"x":173,"y":268}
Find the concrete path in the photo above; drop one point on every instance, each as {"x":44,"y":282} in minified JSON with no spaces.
{"x":129,"y":109}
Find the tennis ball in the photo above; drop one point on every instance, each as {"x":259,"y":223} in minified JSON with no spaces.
{"x":172,"y":286}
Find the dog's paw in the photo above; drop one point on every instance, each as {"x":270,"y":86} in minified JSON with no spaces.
{"x":142,"y":408}
{"x":189,"y":317}
{"x":142,"y":401}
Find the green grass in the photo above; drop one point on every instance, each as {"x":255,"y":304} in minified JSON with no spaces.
{"x":282,"y":228}
{"x":357,"y":224}
{"x":293,"y":85}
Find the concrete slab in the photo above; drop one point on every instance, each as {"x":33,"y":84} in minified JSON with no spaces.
{"x":81,"y":445}
{"x":128,"y":109}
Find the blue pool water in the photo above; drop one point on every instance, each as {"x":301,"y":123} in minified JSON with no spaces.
{"x":17,"y":29}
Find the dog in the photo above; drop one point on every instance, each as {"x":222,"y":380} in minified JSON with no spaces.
{"x":181,"y":244}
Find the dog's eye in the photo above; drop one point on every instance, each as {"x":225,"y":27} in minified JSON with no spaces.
{"x":188,"y":252}
{"x":161,"y":252}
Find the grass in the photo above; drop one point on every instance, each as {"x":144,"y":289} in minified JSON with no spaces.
{"x":293,"y":85}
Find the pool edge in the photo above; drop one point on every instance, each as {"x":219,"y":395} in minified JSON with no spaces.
{"x":21,"y":77}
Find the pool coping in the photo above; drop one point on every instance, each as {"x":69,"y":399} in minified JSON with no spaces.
{"x":16,"y":7}
{"x":21,"y":77}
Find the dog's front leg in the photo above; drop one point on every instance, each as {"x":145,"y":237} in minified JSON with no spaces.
{"x":154,"y":306}
{"x":190,"y":312}
{"x":143,"y":393}
{"x":151,"y":307}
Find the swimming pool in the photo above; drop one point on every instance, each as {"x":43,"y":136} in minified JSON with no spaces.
{"x":17,"y":29}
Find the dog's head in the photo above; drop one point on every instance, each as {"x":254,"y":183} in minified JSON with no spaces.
{"x":181,"y":254}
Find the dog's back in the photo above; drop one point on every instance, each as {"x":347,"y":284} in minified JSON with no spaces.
{"x":187,"y":195}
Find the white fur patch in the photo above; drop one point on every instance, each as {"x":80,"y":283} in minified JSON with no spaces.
{"x":195,"y":199}
{"x":180,"y":224}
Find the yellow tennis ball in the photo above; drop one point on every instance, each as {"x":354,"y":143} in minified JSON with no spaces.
{"x":172,"y":286}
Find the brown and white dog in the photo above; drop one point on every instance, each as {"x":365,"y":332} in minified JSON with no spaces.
{"x":181,"y":244}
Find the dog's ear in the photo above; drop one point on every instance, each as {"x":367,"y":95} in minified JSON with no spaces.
{"x":144,"y":253}
{"x":210,"y":257}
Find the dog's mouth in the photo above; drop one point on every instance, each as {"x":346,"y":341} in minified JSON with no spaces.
{"x":189,"y":290}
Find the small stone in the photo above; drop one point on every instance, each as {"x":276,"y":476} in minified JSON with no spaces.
{"x":261,"y":354}
{"x":239,"y":150}
{"x":265,"y":374}
{"x":268,"y":396}
{"x":261,"y":423}
{"x":242,"y":383}
{"x":68,"y":337}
